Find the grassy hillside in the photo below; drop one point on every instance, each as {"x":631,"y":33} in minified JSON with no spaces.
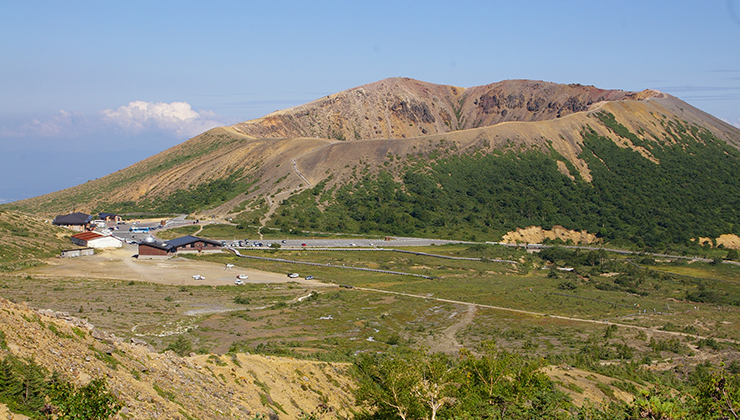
{"x":50,"y":359}
{"x":673,"y":189}
{"x":25,"y":241}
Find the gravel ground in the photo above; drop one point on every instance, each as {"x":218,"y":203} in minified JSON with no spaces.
{"x":119,"y":264}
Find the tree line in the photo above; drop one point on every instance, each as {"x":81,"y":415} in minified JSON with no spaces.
{"x":412,"y":384}
{"x":691,"y":188}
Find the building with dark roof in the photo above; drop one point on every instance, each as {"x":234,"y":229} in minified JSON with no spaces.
{"x":194,"y":244}
{"x":155,"y":249}
{"x":75,"y":221}
{"x":151,"y":248}
{"x":109,"y":217}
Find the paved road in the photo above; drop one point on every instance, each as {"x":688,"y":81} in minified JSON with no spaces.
{"x":614,"y":250}
{"x":351,"y":242}
{"x":388,"y":242}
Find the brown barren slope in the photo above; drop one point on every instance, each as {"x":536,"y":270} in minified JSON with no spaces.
{"x":164,"y":385}
{"x":299,"y":147}
{"x":401,"y":108}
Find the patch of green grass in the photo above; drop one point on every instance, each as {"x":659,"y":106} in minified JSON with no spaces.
{"x":111,"y":361}
{"x":606,"y":390}
{"x":177,"y":232}
{"x":168,"y":395}
{"x":222,"y":231}
{"x":574,"y":387}
{"x":53,"y":328}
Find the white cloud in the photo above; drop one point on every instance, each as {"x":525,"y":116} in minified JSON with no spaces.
{"x":66,"y":124}
{"x":177,"y":118}
{"x":137,"y":120}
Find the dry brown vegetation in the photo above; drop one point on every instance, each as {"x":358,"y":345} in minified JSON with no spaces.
{"x":164,"y":385}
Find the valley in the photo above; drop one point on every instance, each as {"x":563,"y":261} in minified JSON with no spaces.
{"x":522,"y":249}
{"x":465,"y":304}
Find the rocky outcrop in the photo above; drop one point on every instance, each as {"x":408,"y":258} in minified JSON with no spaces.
{"x":401,"y":108}
{"x":536,"y":235}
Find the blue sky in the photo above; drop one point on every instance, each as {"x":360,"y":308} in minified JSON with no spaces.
{"x":90,"y":87}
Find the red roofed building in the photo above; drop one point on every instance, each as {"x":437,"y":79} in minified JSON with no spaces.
{"x":96,"y":240}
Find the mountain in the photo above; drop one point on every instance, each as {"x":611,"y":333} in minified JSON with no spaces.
{"x":543,"y":154}
{"x":404,"y":108}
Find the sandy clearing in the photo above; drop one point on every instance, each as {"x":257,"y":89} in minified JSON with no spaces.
{"x":118,"y":264}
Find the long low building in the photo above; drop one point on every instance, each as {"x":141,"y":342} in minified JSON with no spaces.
{"x":70,"y":253}
{"x":96,"y":240}
{"x":75,"y":221}
{"x":194,"y":244}
{"x":188,"y":243}
{"x":155,"y":249}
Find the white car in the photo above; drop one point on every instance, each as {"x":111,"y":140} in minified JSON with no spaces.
{"x":242,"y":277}
{"x":238,"y":282}
{"x":198,"y":277}
{"x":293,"y":275}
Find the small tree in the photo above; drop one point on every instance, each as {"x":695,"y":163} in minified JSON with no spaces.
{"x":387,"y":383}
{"x":436,"y":384}
{"x":182,"y":346}
{"x":733,"y":255}
{"x":92,"y":401}
{"x":718,"y":396}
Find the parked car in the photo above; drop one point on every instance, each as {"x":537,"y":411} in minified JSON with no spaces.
{"x":238,"y":282}
{"x":293,"y":275}
{"x":309,"y":277}
{"x":242,"y":277}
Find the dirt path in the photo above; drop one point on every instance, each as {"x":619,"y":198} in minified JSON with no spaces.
{"x":273,"y":204}
{"x":446,"y":342}
{"x":538,"y":314}
{"x":300,"y":175}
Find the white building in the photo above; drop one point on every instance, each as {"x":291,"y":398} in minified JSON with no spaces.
{"x":96,"y":240}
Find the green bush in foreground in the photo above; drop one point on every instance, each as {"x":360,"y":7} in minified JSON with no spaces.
{"x":27,"y":388}
{"x":410,"y":384}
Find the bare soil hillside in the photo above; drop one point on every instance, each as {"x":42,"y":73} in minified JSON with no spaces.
{"x":398,"y":108}
{"x":153,"y":385}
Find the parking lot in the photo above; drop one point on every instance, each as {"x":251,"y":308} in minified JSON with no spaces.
{"x":119,"y":264}
{"x":391,"y":242}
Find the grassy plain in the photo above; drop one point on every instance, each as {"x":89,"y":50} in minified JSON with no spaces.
{"x":524,"y":286}
{"x":588,"y":317}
